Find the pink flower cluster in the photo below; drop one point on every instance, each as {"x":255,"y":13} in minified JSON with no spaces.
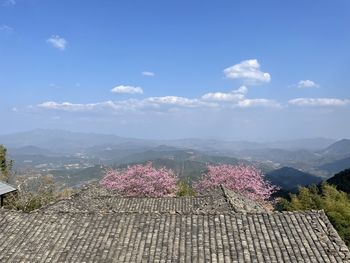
{"x":141,"y":180}
{"x":243,"y":178}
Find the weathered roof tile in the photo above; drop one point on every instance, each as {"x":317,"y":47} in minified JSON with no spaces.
{"x":95,"y":225}
{"x":136,"y":237}
{"x":96,"y":199}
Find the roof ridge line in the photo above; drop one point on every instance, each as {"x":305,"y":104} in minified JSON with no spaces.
{"x":331,"y":232}
{"x":227,"y":199}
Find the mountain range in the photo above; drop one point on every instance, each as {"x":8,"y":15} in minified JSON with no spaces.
{"x":290,"y":179}
{"x":67,"y":154}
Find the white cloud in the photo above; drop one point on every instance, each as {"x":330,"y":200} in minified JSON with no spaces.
{"x":217,"y":100}
{"x":14,"y":109}
{"x":67,"y":106}
{"x":221,"y":96}
{"x":307,"y":84}
{"x":232,"y":96}
{"x":319,"y":102}
{"x":155,"y":103}
{"x":127,"y":90}
{"x":258,"y":103}
{"x":248,"y":71}
{"x":148,"y":74}
{"x":177,"y":101}
{"x":241,"y":90}
{"x":6,"y":28}
{"x":57,"y":42}
{"x":237,"y":98}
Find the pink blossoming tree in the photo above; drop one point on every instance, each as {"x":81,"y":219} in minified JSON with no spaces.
{"x":141,"y":180}
{"x":243,"y":178}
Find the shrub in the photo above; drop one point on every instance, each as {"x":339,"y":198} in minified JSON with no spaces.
{"x":141,"y":180}
{"x":336,"y":205}
{"x":34,"y":192}
{"x":184,"y":189}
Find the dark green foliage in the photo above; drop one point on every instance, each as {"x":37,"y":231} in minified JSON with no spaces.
{"x":336,"y":166}
{"x":289,"y":179}
{"x":341,"y":180}
{"x":184,"y":189}
{"x":5,"y":165}
{"x":336,"y":205}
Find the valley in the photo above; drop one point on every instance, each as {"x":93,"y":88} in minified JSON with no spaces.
{"x":75,"y":159}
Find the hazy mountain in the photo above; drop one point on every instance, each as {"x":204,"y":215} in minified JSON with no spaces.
{"x":312,"y":144}
{"x":60,"y":140}
{"x":30,"y":150}
{"x":281,"y":156}
{"x":187,"y":164}
{"x":290,"y":179}
{"x":59,"y":149}
{"x":213,"y":145}
{"x":336,"y":166}
{"x":113,"y":152}
{"x":339,"y":148}
{"x":341,"y":180}
{"x":70,"y":142}
{"x":78,"y":177}
{"x":179,"y":155}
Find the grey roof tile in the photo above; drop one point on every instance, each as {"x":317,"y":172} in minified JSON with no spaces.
{"x":97,"y":199}
{"x":95,"y":225}
{"x":137,"y":237}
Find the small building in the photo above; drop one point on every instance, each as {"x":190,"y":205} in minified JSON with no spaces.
{"x":5,"y":189}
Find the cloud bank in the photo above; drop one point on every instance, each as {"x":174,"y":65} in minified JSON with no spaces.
{"x":319,"y":102}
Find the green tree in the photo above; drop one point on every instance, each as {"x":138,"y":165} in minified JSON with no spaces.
{"x":5,"y":165}
{"x":335,"y":203}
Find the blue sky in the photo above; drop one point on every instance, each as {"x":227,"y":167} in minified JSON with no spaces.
{"x":252,"y":70}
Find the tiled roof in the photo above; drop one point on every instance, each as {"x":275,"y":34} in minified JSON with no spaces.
{"x":238,"y":202}
{"x":95,"y":225}
{"x":96,"y":199}
{"x":6,"y":188}
{"x":137,"y":237}
{"x":134,"y":205}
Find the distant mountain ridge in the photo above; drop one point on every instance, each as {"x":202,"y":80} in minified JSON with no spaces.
{"x":60,"y":148}
{"x":336,"y":166}
{"x":339,"y":148}
{"x":289,"y":179}
{"x":312,"y":144}
{"x":62,"y":139}
{"x":341,"y":180}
